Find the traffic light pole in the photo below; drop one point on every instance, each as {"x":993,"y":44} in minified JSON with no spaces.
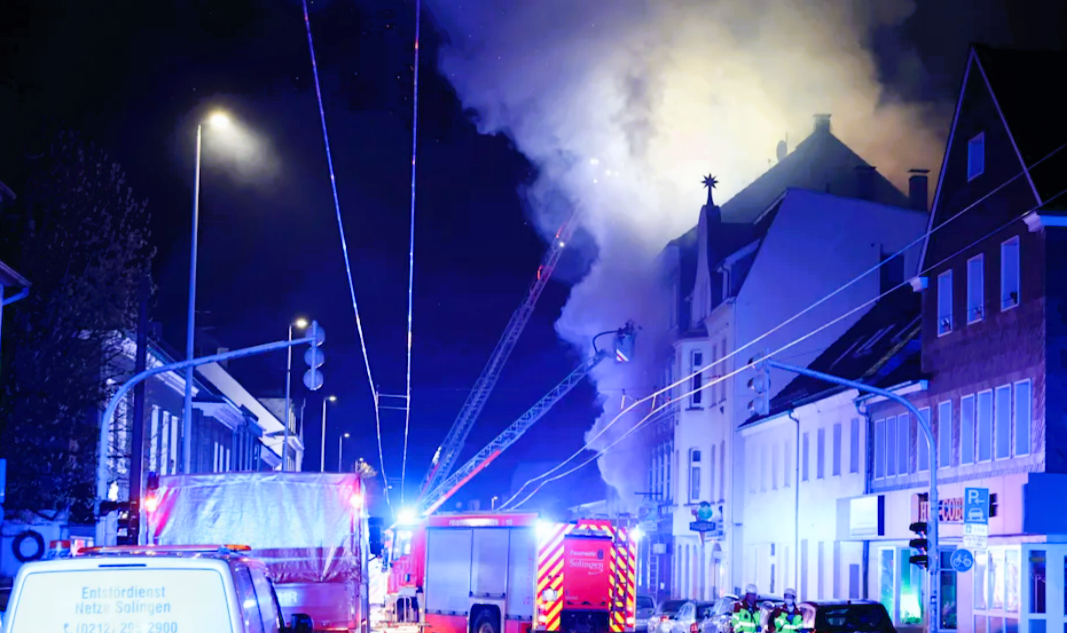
{"x":933,"y":512}
{"x":112,"y":406}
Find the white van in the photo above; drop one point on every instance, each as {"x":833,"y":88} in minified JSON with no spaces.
{"x":146,"y":589}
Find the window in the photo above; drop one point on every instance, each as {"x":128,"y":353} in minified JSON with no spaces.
{"x":903,"y":443}
{"x":967,"y":429}
{"x":985,"y":426}
{"x":821,"y":563}
{"x":820,"y":454}
{"x":1002,"y":421}
{"x":776,"y":459}
{"x":891,"y":447}
{"x":836,"y":455}
{"x":697,"y":361}
{"x":949,"y":591}
{"x":1037,"y":581}
{"x":804,"y":458}
{"x":944,"y":434}
{"x":787,"y":471}
{"x":667,"y":481}
{"x":711,"y":472}
{"x":722,"y":469}
{"x":922,"y":443}
{"x":975,"y":289}
{"x":944,"y":303}
{"x":803,"y":567}
{"x":976,"y":156}
{"x":694,"y":474}
{"x":763,"y":468}
{"x":854,"y":447}
{"x":723,"y":371}
{"x":879,"y":449}
{"x":1022,"y":417}
{"x":1009,"y":274}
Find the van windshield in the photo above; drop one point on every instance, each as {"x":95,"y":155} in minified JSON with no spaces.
{"x":130,"y":599}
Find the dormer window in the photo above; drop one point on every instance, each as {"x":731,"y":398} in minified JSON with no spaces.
{"x":976,"y":156}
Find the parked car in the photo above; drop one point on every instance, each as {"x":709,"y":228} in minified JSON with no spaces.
{"x":663,"y":619}
{"x":841,"y":616}
{"x":646,"y":606}
{"x":207,"y":589}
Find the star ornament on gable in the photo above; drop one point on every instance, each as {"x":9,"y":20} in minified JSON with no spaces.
{"x":709,"y":183}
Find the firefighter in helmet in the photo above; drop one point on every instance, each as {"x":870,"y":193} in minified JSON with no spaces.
{"x":788,"y":617}
{"x":746,"y":615}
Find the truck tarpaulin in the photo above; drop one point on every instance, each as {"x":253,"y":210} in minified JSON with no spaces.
{"x":302,"y":525}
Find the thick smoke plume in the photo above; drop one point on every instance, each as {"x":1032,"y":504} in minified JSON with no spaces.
{"x":625,"y":104}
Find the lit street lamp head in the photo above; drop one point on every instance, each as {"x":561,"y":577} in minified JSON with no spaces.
{"x":219,"y":120}
{"x":332,"y":398}
{"x":347,"y":435}
{"x":301,"y":323}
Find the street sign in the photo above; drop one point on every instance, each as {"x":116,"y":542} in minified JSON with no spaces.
{"x":976,"y":505}
{"x":962,"y":560}
{"x":975,"y":536}
{"x":705,"y":528}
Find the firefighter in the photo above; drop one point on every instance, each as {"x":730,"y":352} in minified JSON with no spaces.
{"x":788,"y":617}
{"x":746,"y":616}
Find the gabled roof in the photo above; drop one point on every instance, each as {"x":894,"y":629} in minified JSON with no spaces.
{"x":1027,"y":88}
{"x":882,"y":349}
{"x":821,"y":162}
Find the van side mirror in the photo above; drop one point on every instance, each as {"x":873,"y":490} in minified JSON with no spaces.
{"x":301,"y":623}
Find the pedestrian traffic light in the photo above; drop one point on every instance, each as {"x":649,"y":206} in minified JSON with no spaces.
{"x":760,"y":384}
{"x":129,"y":523}
{"x":314,"y":357}
{"x":921,"y":544}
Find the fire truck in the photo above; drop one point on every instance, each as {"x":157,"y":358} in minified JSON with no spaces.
{"x":511,"y":572}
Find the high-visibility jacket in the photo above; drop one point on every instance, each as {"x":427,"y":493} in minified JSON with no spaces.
{"x":786,"y":621}
{"x":745,"y":619}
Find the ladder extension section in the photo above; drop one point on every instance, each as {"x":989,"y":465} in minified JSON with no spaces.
{"x":518,"y":428}
{"x":449,"y":451}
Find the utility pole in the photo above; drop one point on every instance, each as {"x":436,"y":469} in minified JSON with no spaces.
{"x":137,"y":452}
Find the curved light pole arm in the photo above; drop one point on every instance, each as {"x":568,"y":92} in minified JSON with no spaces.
{"x":112,"y":406}
{"x":933,"y":514}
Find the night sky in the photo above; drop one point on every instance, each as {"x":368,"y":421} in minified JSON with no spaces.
{"x":135,"y":76}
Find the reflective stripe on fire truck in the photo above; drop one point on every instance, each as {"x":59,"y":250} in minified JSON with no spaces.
{"x":550,"y":575}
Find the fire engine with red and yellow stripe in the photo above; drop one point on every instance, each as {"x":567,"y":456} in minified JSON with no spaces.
{"x":511,"y":572}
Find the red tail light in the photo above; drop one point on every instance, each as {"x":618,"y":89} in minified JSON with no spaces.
{"x":693,"y":628}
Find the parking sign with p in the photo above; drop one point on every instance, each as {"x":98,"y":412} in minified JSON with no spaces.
{"x":976,"y":505}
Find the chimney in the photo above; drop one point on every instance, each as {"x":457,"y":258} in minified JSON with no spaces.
{"x":865,"y":182}
{"x":822,"y":123}
{"x":917,"y":189}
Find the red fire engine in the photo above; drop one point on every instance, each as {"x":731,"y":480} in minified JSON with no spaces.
{"x":507,"y":572}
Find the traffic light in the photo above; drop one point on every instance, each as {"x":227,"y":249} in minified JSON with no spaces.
{"x":374,"y":527}
{"x":920,"y":543}
{"x":129,"y":523}
{"x":760,"y":384}
{"x":314,"y":357}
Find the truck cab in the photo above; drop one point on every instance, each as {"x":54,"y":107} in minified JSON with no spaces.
{"x":149,"y":589}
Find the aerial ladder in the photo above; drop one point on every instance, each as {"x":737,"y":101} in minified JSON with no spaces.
{"x":622,"y":351}
{"x":445,"y":458}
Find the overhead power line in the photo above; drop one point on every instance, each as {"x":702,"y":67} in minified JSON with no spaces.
{"x":344,"y":251}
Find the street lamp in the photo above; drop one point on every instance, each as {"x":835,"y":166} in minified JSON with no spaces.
{"x":300,"y":323}
{"x":220,"y":120}
{"x":322,"y":466}
{"x":340,"y":451}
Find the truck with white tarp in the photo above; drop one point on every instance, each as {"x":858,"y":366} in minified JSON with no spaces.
{"x":309,"y":529}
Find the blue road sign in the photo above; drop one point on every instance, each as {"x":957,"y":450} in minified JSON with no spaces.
{"x":976,"y":505}
{"x":962,"y":560}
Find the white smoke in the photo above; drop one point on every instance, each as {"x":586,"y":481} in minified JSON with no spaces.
{"x":625,"y":104}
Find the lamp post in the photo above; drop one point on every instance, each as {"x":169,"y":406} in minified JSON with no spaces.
{"x":300,"y":323}
{"x":322,"y":465}
{"x":217,"y":119}
{"x":340,"y":451}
